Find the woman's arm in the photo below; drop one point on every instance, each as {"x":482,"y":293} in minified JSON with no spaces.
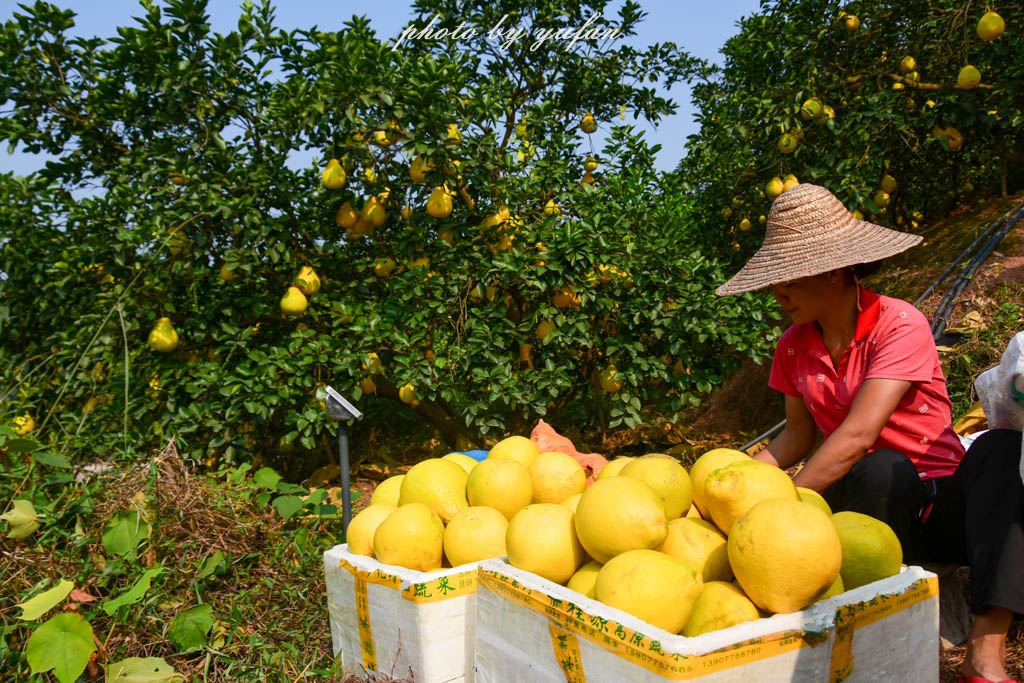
{"x":795,"y":440}
{"x":872,"y":407}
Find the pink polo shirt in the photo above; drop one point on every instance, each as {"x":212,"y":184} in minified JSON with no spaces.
{"x":893,"y":340}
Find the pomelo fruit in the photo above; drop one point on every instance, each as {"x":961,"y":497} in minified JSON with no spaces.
{"x":584,"y":579}
{"x":667,"y":478}
{"x":515,"y":448}
{"x":815,"y":499}
{"x":969,"y":77}
{"x":412,"y":537}
{"x":501,"y":484}
{"x":784,"y":554}
{"x":699,"y":544}
{"x":363,"y":526}
{"x":708,"y":463}
{"x":388,"y":491}
{"x":555,"y":477}
{"x":541,"y":539}
{"x":613,"y":468}
{"x":735,"y":488}
{"x":990,"y":26}
{"x":720,"y":605}
{"x":619,"y":514}
{"x":477,"y":533}
{"x":871,"y":549}
{"x":651,"y":586}
{"x":571,"y":502}
{"x":438,"y":484}
{"x":462,"y":460}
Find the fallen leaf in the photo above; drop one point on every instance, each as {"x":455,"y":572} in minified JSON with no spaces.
{"x":79,"y":595}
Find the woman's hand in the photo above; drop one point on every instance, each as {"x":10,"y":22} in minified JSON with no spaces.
{"x":872,"y":408}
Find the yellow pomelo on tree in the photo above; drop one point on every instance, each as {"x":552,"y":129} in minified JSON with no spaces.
{"x":784,"y":554}
{"x":789,"y":182}
{"x":667,"y":478}
{"x":811,"y":108}
{"x":871,"y":549}
{"x":908,"y":64}
{"x":588,"y":124}
{"x":363,"y":526}
{"x":732,"y":490}
{"x":814,"y":498}
{"x":619,"y":514}
{"x":462,"y":460}
{"x":477,"y":533}
{"x":307,"y":281}
{"x":990,"y":26}
{"x":504,"y":485}
{"x":515,"y":448}
{"x":407,"y":393}
{"x":438,"y":484}
{"x":584,"y":579}
{"x":881,"y":199}
{"x":889,"y":184}
{"x":334,"y":175}
{"x":293,"y":302}
{"x":788,"y":143}
{"x":774,"y":187}
{"x":613,"y":468}
{"x":163,"y":337}
{"x":969,"y":77}
{"x":412,"y":537}
{"x":720,"y":605}
{"x":555,"y":477}
{"x":227,"y":273}
{"x":699,"y":544}
{"x":705,"y":465}
{"x":439,"y":204}
{"x":541,"y":539}
{"x":545,"y":328}
{"x":388,"y":491}
{"x":651,"y":586}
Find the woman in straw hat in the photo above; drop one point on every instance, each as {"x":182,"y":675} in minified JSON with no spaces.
{"x":863,"y":368}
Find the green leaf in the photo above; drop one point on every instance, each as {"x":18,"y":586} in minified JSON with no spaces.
{"x":62,"y":644}
{"x":189,"y":628}
{"x":266,"y":478}
{"x":124,"y":532}
{"x":287,"y":505}
{"x":52,"y":459}
{"x":133,"y":594}
{"x":36,"y":607}
{"x":142,"y":670}
{"x":23,"y":519}
{"x":22,"y":445}
{"x":210,"y":565}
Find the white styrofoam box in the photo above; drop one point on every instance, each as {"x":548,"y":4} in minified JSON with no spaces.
{"x":395,"y":620}
{"x":529,"y":629}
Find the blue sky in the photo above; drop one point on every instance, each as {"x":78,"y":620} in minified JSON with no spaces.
{"x":699,"y":28}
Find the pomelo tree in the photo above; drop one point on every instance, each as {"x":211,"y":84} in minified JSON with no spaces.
{"x":866,"y":99}
{"x":472,"y":265}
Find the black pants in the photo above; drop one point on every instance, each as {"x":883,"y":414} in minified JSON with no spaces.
{"x":976,"y":518}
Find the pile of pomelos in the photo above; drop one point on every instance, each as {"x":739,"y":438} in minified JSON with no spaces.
{"x":730,"y":541}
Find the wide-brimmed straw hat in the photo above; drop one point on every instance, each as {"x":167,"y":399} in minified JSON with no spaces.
{"x":809,"y":232}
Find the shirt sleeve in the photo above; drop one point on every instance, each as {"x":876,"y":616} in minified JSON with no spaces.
{"x":905,"y":350}
{"x":781,"y":378}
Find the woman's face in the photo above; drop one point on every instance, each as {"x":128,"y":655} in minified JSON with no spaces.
{"x":807,"y":298}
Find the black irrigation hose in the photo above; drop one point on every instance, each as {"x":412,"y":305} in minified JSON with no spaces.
{"x":946,"y":307}
{"x":995,"y":234}
{"x":978,"y":240}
